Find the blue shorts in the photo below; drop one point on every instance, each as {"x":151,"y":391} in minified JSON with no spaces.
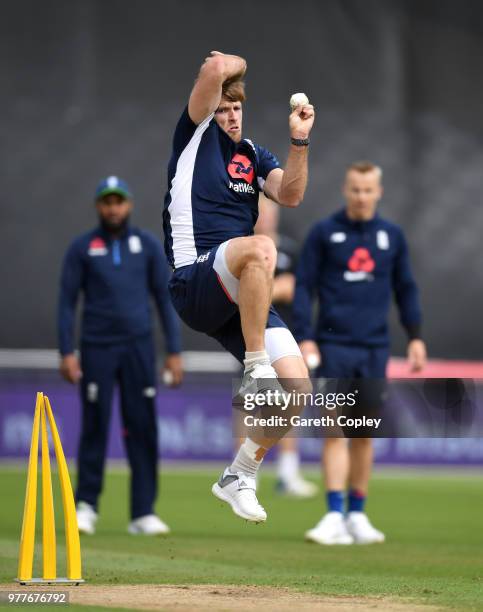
{"x":351,"y":361}
{"x":361,"y":370}
{"x":205,"y":295}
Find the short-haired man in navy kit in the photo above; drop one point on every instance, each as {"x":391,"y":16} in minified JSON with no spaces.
{"x":223,"y":274}
{"x":352,"y":263}
{"x":118,"y":268}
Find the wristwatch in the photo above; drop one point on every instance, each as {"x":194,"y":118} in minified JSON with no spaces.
{"x":300,"y":142}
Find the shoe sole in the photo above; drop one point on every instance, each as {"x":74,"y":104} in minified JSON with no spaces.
{"x":218,"y":492}
{"x":310,"y":538}
{"x":86,"y":532}
{"x":285,"y":491}
{"x":135,"y":531}
{"x":363,"y":542}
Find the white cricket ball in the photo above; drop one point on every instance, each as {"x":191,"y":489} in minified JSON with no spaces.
{"x":168,"y":378}
{"x":313,"y":361}
{"x":298,"y":99}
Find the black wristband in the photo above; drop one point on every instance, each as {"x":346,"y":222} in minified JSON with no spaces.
{"x":300,"y":142}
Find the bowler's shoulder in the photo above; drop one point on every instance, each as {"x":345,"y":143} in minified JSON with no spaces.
{"x":185,"y":120}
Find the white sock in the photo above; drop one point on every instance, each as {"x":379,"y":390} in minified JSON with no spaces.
{"x":248,"y":458}
{"x":254,"y":357}
{"x":288,"y":465}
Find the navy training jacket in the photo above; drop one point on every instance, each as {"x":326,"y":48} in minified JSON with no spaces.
{"x":353,"y":268}
{"x":117,"y":278}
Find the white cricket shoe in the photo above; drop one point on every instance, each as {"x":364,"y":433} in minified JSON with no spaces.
{"x":149,"y":524}
{"x":297,"y":487}
{"x":360,"y":528}
{"x":239,"y":490}
{"x":331,"y":529}
{"x":86,"y":518}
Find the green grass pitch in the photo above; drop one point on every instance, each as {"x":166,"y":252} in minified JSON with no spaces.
{"x":433,"y":553}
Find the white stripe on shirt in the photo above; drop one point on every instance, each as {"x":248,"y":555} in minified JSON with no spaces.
{"x":180,"y":208}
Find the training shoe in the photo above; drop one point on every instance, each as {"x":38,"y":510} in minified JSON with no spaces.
{"x":331,"y":529}
{"x":260,"y":379}
{"x":359,"y":526}
{"x":86,"y":518}
{"x":296,"y":487}
{"x":150,"y":524}
{"x":238,"y":490}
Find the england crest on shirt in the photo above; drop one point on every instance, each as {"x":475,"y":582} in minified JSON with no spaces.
{"x":383,"y":240}
{"x":135,"y":245}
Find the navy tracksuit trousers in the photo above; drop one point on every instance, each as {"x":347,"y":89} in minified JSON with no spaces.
{"x":131,"y":365}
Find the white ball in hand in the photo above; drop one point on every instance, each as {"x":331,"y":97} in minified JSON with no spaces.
{"x":298,"y":99}
{"x":313,"y":361}
{"x":168,"y":378}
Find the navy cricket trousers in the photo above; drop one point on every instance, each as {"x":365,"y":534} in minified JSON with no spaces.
{"x":131,"y":364}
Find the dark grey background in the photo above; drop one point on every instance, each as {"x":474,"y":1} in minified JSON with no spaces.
{"x":94,"y":87}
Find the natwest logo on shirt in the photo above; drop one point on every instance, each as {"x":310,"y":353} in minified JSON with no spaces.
{"x":241,"y":187}
{"x":241,"y":167}
{"x":360,"y":266}
{"x":97,"y":246}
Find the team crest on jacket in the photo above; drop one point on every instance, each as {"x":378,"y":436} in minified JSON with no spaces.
{"x":383,"y":240}
{"x":241,"y":167}
{"x":135,"y":245}
{"x":97,"y":246}
{"x":360,"y":265}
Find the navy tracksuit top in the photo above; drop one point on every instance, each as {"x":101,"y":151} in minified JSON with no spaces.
{"x":117,"y":277}
{"x":353,"y":268}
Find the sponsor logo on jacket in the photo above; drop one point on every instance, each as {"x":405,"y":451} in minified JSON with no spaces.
{"x":97,"y":247}
{"x":240,"y":167}
{"x":361,"y":265}
{"x":241,"y":187}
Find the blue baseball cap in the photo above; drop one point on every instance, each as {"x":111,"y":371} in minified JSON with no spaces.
{"x":113,"y":184}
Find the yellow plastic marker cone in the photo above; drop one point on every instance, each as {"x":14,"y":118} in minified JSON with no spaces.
{"x":48,"y":517}
{"x":72,"y":540}
{"x":43,"y":412}
{"x":27,"y":539}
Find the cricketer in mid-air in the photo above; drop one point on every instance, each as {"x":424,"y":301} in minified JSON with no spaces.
{"x":223,"y":274}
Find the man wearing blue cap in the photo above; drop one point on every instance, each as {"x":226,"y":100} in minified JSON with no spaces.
{"x":117,"y":268}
